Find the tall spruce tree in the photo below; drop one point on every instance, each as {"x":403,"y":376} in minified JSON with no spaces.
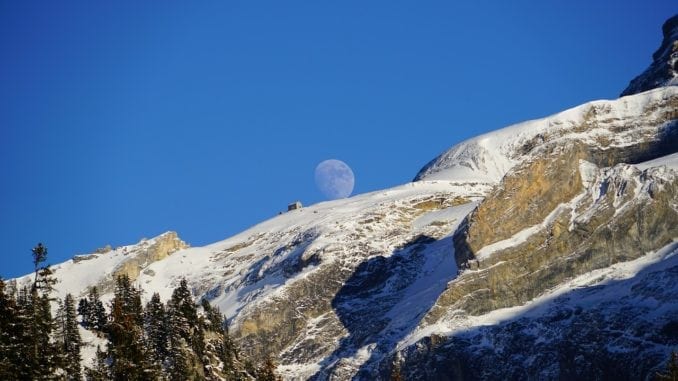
{"x":92,"y":311}
{"x":97,"y":312}
{"x":9,"y":334}
{"x":155,"y":327}
{"x":83,"y":310}
{"x":25,"y":338}
{"x":38,"y":351}
{"x":68,"y":339}
{"x":186,"y":337}
{"x":213,"y":318}
{"x":128,"y":353}
{"x":225,"y":349}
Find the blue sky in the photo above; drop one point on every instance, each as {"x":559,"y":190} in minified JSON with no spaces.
{"x":122,"y":120}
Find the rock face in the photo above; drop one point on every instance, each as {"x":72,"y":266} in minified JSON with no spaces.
{"x":149,"y":252}
{"x":579,"y":334}
{"x":664,"y":68}
{"x":621,"y":215}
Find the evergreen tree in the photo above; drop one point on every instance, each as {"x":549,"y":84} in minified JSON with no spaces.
{"x":9,"y":334}
{"x":93,"y":311}
{"x":38,"y":355}
{"x":213,"y":318}
{"x":68,"y":339}
{"x":45,"y":353}
{"x":39,"y":253}
{"x":225,"y":349}
{"x":186,"y":337}
{"x":98,"y":312}
{"x":44,"y":278}
{"x":155,"y":327}
{"x":100,"y":371}
{"x":35,"y":323}
{"x":24,"y":336}
{"x":83,"y":310}
{"x":129,"y":356}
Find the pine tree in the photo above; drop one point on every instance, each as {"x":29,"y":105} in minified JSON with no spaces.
{"x":8,"y":334}
{"x":83,"y":310}
{"x":38,"y":353}
{"x":39,"y":253}
{"x":44,"y":351}
{"x":186,"y":337}
{"x":155,"y":327}
{"x":68,"y":339}
{"x":44,"y":278}
{"x":25,"y":339}
{"x":225,"y":349}
{"x":213,"y":317}
{"x":95,"y":311}
{"x":129,"y":355}
{"x":92,"y":311}
{"x":100,"y":371}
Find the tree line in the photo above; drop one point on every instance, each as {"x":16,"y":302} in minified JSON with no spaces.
{"x":177,"y":340}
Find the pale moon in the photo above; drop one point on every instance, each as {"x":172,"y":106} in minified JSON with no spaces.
{"x":334,"y":178}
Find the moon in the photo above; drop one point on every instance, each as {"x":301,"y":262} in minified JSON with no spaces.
{"x":334,"y":179}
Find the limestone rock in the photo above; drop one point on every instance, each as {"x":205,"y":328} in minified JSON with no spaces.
{"x":161,"y":247}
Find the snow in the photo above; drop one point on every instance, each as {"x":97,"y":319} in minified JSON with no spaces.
{"x":88,"y":349}
{"x":75,"y":277}
{"x":669,"y":161}
{"x":243,"y":270}
{"x":448,"y":215}
{"x":487,"y":158}
{"x":521,"y":236}
{"x":664,"y":258}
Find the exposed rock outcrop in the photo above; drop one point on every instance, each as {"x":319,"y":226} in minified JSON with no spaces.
{"x":147,"y":253}
{"x":664,"y":68}
{"x":622,"y":214}
{"x":623,"y":329}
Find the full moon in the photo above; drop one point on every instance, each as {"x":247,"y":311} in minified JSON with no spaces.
{"x":334,"y":178}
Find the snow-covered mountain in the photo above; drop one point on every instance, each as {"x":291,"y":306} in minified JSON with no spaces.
{"x":546,"y":249}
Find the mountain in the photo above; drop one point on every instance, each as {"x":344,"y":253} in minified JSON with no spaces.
{"x":664,"y":68}
{"x":543,"y":250}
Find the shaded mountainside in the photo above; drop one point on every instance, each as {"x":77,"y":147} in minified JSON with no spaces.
{"x":664,"y":68}
{"x":617,"y":324}
{"x":544,"y":250}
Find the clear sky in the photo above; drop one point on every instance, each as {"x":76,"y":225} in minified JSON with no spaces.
{"x":122,"y":120}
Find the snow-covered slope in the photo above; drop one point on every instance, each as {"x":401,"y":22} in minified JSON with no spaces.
{"x":603,"y":124}
{"x":614,"y":323}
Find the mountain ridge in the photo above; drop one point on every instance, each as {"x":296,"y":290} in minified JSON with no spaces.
{"x":382,"y":283}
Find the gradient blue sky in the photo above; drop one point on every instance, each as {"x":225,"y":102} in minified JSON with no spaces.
{"x":122,"y":120}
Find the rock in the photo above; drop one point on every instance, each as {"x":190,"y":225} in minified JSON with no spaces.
{"x":161,"y":247}
{"x":664,"y":68}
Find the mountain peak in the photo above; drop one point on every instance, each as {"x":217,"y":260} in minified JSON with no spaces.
{"x":664,"y":68}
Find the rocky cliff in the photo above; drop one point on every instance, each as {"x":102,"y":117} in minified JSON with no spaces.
{"x":664,"y":68}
